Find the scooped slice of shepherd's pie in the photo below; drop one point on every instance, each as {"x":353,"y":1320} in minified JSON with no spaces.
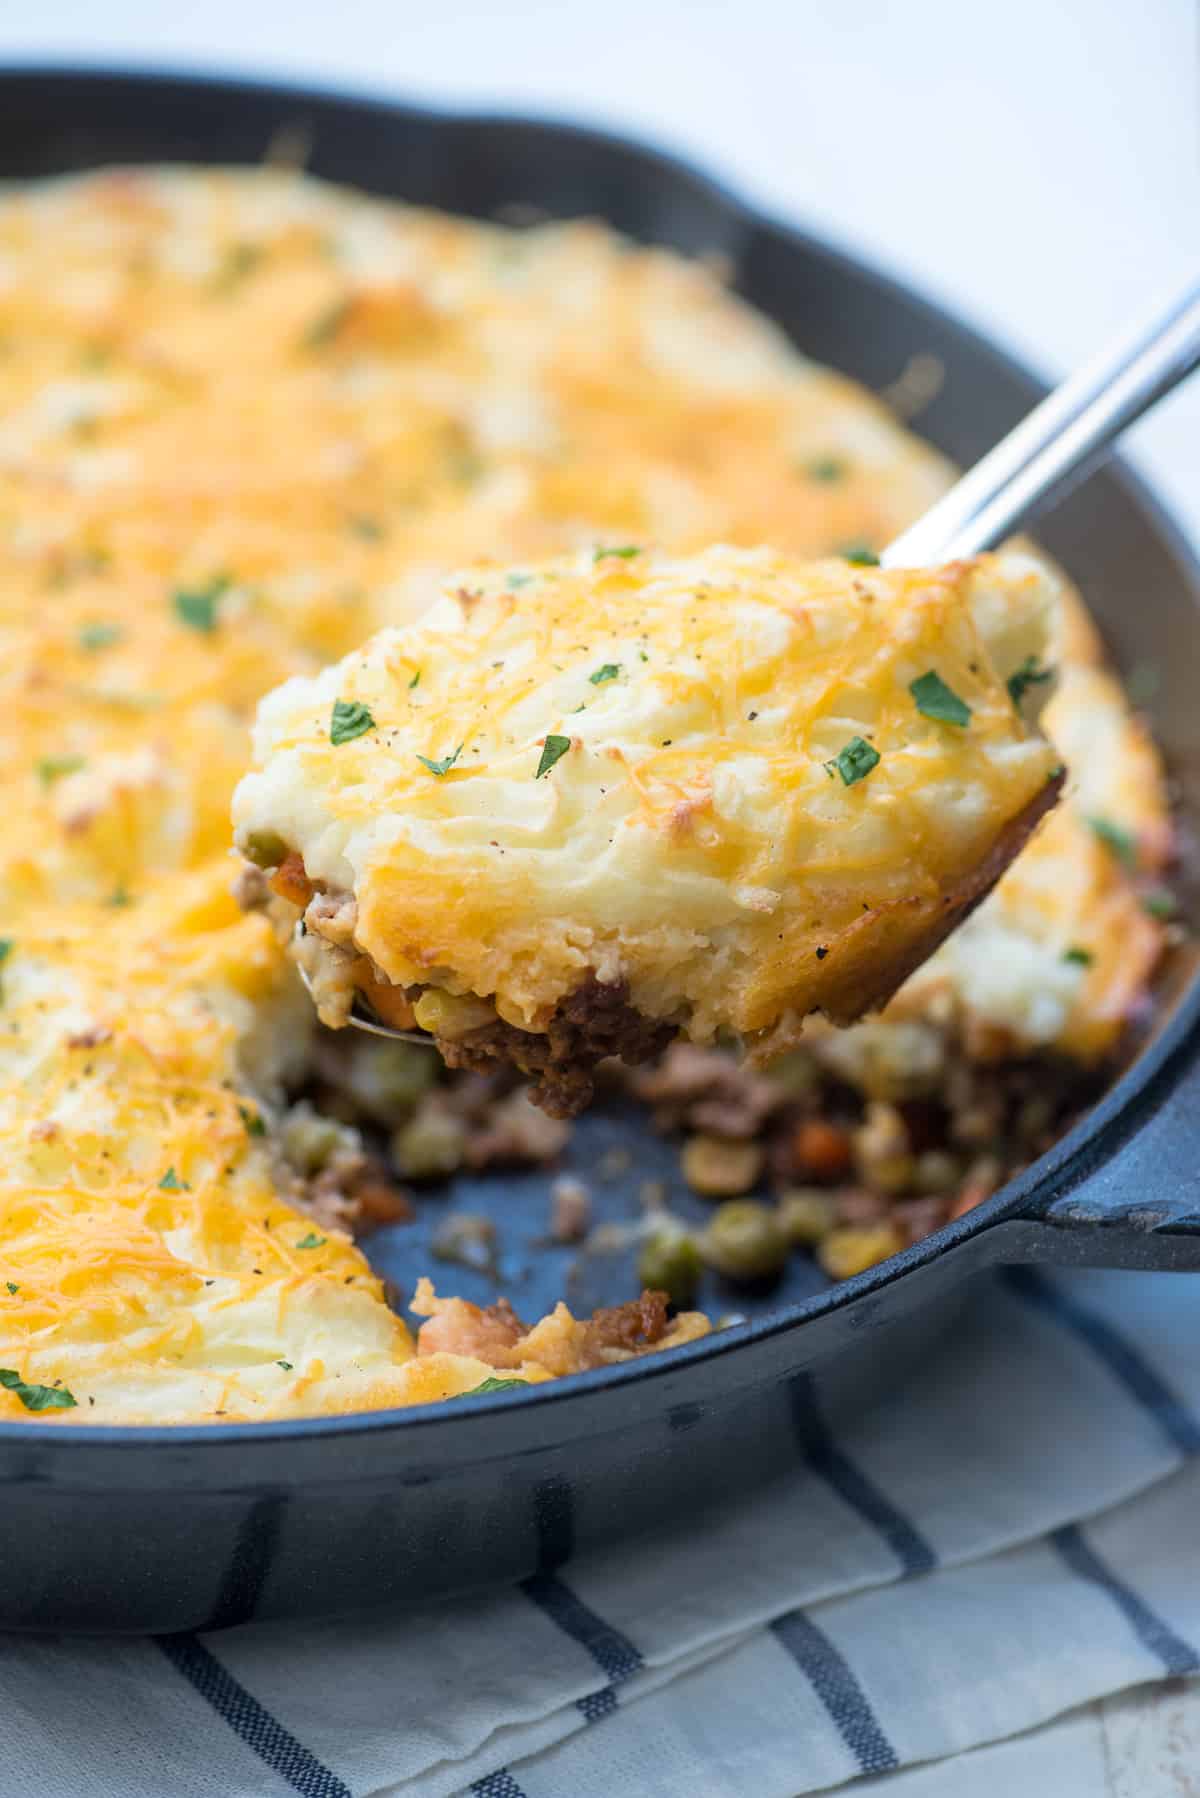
{"x":581,"y":808}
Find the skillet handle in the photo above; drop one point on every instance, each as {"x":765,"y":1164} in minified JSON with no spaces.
{"x":1135,"y":1201}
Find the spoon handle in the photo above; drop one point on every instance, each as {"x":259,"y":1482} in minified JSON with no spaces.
{"x":1059,"y":442}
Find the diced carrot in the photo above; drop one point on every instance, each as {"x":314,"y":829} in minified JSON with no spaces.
{"x":821,"y":1149}
{"x":291,"y":882}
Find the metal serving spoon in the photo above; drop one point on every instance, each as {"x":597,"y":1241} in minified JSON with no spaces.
{"x":1057,"y":445}
{"x":1060,"y":442}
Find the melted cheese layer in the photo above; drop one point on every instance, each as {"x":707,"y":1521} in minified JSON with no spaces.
{"x":695,"y":839}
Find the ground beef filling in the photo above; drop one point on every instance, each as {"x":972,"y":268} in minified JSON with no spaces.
{"x":594,"y":1022}
{"x":589,"y":1026}
{"x":632,"y":1327}
{"x":849,"y":1149}
{"x":495,"y":1334}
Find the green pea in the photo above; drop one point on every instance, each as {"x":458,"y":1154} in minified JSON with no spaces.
{"x":431,"y":1146}
{"x":387,"y":1079}
{"x":806,"y":1216}
{"x":670,"y":1262}
{"x":310,"y":1141}
{"x":265,"y":848}
{"x":745,"y":1241}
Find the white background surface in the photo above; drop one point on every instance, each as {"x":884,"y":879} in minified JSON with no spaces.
{"x":1033,"y":163}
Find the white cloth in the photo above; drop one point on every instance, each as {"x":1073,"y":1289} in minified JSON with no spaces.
{"x":1014,"y":1537}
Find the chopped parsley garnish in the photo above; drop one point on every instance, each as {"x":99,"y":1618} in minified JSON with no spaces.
{"x":514,"y":582}
{"x":854,"y":762}
{"x":1122,"y":842}
{"x":861,"y":554}
{"x":938,"y":701}
{"x":553,"y":751}
{"x":6,"y":948}
{"x":286,"y":1366}
{"x":171,"y":1182}
{"x":240,"y":260}
{"x":350,"y":718}
{"x":37,"y":1398}
{"x":118,"y":898}
{"x":492,"y":1384}
{"x":609,"y":671}
{"x":311,"y":1241}
{"x":52,"y":767}
{"x":1159,"y":903}
{"x":444,"y":766}
{"x":466,"y":467}
{"x":253,"y":1121}
{"x":624,"y":552}
{"x":13,"y":1285}
{"x":415,"y":681}
{"x":99,"y":636}
{"x":197,"y":606}
{"x":1029,"y":674}
{"x":825,"y":469}
{"x":368,"y":529}
{"x":326,"y":325}
{"x":1081,"y":958}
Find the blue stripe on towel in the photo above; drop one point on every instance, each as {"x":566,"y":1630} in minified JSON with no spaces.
{"x":499,"y":1784}
{"x":596,"y":1705}
{"x":1118,"y":1354}
{"x":1177,"y":1656}
{"x":247,"y":1718}
{"x":613,"y":1653}
{"x":838,"y":1690}
{"x":851,"y":1484}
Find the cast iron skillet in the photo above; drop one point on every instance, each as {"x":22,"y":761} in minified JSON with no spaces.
{"x":193,"y":1527}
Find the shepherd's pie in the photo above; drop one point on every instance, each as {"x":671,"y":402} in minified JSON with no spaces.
{"x":584,"y":806}
{"x":246,"y":421}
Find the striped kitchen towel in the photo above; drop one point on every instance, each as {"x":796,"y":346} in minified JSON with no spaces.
{"x":1015,"y":1541}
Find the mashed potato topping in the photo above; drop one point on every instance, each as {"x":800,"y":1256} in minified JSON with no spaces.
{"x":738,"y":787}
{"x":247,"y":420}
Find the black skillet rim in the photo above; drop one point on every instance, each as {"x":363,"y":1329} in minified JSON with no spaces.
{"x":1130,"y":1101}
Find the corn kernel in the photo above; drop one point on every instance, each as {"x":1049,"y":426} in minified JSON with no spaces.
{"x":718,"y":1169}
{"x":849,"y":1251}
{"x":451,"y":1015}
